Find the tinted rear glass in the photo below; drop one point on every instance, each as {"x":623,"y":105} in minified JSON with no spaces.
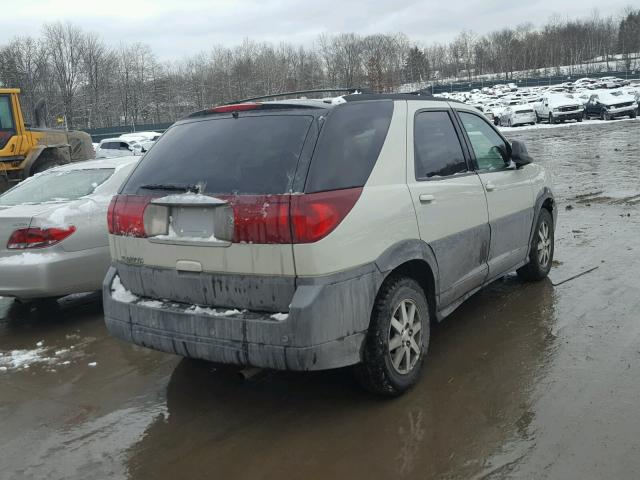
{"x":349,"y":145}
{"x":56,"y":186}
{"x":245,"y":155}
{"x":437,"y":149}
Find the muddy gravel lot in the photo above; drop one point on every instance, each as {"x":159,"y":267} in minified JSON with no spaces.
{"x":523,"y":381}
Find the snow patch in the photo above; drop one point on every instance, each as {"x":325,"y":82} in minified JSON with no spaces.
{"x":198,"y":310}
{"x":58,"y":217}
{"x":26,"y":258}
{"x":280,"y":317}
{"x":21,"y":359}
{"x":151,"y":303}
{"x":121,"y":294}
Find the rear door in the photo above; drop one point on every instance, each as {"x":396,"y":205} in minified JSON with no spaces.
{"x":449,"y":200}
{"x":509,"y":193}
{"x":246,"y":159}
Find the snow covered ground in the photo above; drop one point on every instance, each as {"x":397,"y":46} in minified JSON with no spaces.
{"x":50,"y":358}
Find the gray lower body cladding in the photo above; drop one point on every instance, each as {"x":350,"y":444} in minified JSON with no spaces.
{"x":253,"y":292}
{"x":326,"y":325}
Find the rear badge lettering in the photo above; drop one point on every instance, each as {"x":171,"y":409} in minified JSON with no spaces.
{"x":133,"y":260}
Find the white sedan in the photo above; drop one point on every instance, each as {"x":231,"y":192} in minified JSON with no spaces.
{"x":118,"y":147}
{"x":53,"y":229}
{"x":517,"y":115}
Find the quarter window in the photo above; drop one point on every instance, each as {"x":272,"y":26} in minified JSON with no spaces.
{"x":487,"y":145}
{"x":437,"y":148}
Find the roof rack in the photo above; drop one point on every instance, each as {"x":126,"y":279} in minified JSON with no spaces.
{"x":348,"y":90}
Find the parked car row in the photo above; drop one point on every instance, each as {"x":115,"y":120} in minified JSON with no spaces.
{"x":125,"y":145}
{"x":606,"y":98}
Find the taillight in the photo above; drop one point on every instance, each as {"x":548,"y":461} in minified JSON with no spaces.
{"x":125,"y":215}
{"x":38,"y":237}
{"x":316,"y":215}
{"x":261,"y":218}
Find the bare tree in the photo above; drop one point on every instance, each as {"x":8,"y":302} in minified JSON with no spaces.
{"x":65,"y":43}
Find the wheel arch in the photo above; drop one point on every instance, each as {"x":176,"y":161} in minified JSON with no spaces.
{"x":415,"y":259}
{"x":544,"y":200}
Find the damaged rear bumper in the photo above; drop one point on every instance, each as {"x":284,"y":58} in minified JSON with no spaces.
{"x":324,"y":328}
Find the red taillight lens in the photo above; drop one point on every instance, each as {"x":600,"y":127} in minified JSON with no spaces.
{"x":304,"y":218}
{"x":316,"y":215}
{"x":261,"y":218}
{"x":238,"y":107}
{"x":38,"y":237}
{"x":126,"y":215}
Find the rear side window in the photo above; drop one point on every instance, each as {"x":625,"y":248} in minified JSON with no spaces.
{"x":56,"y":186}
{"x":245,"y":155}
{"x":437,"y":149}
{"x":349,"y":145}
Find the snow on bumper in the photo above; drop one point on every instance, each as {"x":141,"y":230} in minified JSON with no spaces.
{"x":324,"y":328}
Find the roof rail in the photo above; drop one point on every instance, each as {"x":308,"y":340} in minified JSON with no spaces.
{"x":348,"y":90}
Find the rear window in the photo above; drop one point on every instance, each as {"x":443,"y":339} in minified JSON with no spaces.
{"x":245,"y":155}
{"x":56,"y":186}
{"x":349,"y":145}
{"x":114,"y":146}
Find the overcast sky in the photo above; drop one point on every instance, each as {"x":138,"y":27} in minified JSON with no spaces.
{"x":178,"y":28}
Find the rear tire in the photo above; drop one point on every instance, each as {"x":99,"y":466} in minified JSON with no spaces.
{"x":633,"y":114}
{"x":542,"y":248}
{"x":397,"y":340}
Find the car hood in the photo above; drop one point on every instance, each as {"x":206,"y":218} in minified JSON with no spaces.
{"x":569,"y":103}
{"x":617,"y":100}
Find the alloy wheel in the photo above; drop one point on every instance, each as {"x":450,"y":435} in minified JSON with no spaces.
{"x":544,"y":244}
{"x":405,"y":337}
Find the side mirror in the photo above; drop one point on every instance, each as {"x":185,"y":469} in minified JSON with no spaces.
{"x":519,"y":154}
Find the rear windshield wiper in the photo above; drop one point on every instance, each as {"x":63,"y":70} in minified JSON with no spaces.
{"x":172,"y":187}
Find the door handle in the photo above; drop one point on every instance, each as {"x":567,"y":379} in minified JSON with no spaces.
{"x":426,"y":198}
{"x":490,"y":187}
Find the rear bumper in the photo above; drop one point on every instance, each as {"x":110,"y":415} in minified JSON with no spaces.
{"x":325,"y":327}
{"x":41,"y":274}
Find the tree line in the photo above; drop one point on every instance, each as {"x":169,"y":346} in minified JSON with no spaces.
{"x":90,"y":84}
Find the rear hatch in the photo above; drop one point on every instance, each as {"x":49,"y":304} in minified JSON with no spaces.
{"x":204,"y":218}
{"x":210,"y":215}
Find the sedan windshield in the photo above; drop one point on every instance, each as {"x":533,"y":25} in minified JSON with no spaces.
{"x":56,"y":186}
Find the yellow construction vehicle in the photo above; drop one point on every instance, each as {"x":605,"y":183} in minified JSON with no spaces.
{"x":26,"y":150}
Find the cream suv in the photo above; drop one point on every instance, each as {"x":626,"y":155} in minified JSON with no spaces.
{"x":308,"y":235}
